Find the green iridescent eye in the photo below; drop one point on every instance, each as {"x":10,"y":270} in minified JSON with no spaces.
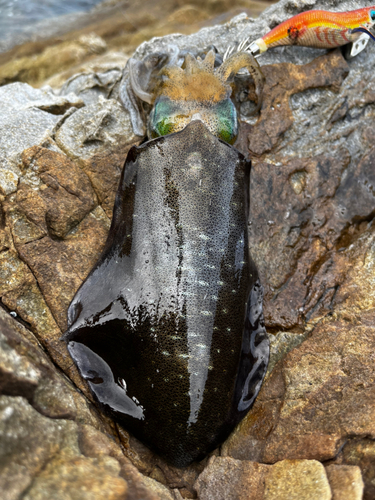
{"x":227,"y":125}
{"x":162,"y":119}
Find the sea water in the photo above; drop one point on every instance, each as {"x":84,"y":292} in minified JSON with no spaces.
{"x":20,"y":19}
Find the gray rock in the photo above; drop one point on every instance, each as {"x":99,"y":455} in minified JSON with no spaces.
{"x":25,"y":370}
{"x":95,"y":128}
{"x":28,"y":117}
{"x":18,"y":376}
{"x":42,"y":456}
{"x":90,"y":86}
{"x":28,"y":441}
{"x":331,"y":116}
{"x":39,"y":447}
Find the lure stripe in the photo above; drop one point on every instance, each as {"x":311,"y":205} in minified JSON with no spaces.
{"x":318,"y":34}
{"x":327,"y":33}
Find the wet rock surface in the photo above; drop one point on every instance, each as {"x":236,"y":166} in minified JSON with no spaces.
{"x":311,"y":432}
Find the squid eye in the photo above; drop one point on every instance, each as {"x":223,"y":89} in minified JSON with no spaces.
{"x":227,"y":127}
{"x":162,"y":119}
{"x":372,"y":15}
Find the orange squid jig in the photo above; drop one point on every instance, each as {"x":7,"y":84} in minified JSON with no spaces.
{"x":320,"y":29}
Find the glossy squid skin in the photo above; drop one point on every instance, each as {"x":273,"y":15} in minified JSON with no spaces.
{"x":168,"y":328}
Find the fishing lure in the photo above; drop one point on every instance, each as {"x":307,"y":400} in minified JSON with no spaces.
{"x":320,"y":29}
{"x":168,"y":327}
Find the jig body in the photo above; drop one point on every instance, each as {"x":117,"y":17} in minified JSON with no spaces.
{"x":320,"y":29}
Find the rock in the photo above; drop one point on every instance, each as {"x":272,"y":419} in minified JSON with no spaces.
{"x":31,"y":115}
{"x":315,"y":399}
{"x":38,"y":68}
{"x":54,"y":444}
{"x":22,"y":456}
{"x":102,"y":70}
{"x":27,"y":371}
{"x":90,"y":86}
{"x":17,"y":375}
{"x":62,"y":202}
{"x":345,"y":481}
{"x":361,"y":452}
{"x":95,"y":128}
{"x":306,"y":237}
{"x":244,"y":480}
{"x":160,"y":491}
{"x":104,"y":170}
{"x":156,"y":468}
{"x":276,"y":118}
{"x":67,"y":43}
{"x":232,"y":480}
{"x":297,"y":480}
{"x":81,"y":479}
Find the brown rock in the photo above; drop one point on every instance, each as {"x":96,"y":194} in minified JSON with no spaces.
{"x":20,"y":293}
{"x":94,"y":443}
{"x":287,"y":79}
{"x":160,"y":491}
{"x":345,"y":482}
{"x":232,"y":480}
{"x":52,"y":60}
{"x":64,"y":196}
{"x":141,"y":487}
{"x":79,"y":478}
{"x":61,"y":266}
{"x":295,"y":236}
{"x":247,"y":440}
{"x":150,"y":464}
{"x":56,"y":225}
{"x":297,"y":480}
{"x":329,"y":395}
{"x":18,"y":376}
{"x":44,"y":453}
{"x":22,"y":432}
{"x":41,"y":455}
{"x":290,"y":231}
{"x":104,"y":170}
{"x":361,"y":452}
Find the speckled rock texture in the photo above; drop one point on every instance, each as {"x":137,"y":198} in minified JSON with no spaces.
{"x":311,"y":432}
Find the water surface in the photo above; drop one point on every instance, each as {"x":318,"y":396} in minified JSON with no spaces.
{"x":22,"y":20}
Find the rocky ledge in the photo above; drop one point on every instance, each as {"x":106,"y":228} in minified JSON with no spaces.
{"x":311,"y":432}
